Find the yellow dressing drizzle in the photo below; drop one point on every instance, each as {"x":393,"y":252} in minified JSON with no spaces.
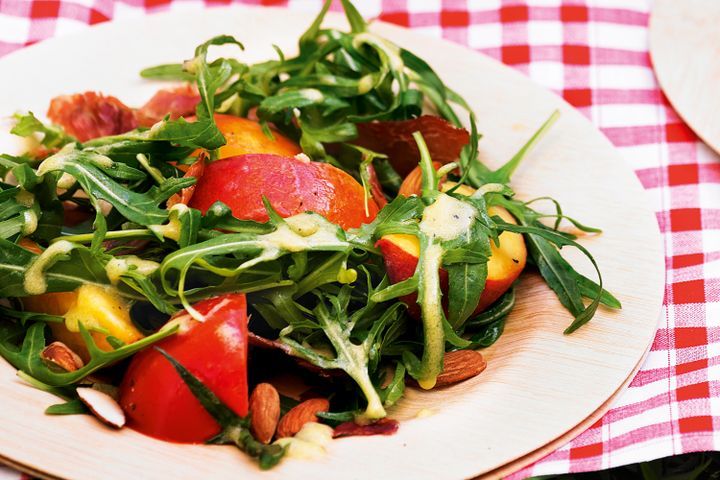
{"x":116,"y":267}
{"x":35,"y":282}
{"x":309,"y":443}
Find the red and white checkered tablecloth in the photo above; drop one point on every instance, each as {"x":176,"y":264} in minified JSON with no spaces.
{"x":595,"y":54}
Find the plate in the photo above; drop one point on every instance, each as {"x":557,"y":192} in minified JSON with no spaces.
{"x":685,"y":52}
{"x":539,"y":384}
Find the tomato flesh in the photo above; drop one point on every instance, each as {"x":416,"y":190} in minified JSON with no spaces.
{"x":156,"y":400}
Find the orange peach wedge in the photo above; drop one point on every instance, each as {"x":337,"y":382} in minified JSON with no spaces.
{"x":506,"y":262}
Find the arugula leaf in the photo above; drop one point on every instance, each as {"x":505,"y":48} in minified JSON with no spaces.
{"x":498,"y":310}
{"x":402,"y":211}
{"x":71,"y":407}
{"x":557,"y":272}
{"x":590,"y":289}
{"x":488,"y":334}
{"x":52,"y":137}
{"x":357,"y":23}
{"x":396,"y":388}
{"x":208,"y":82}
{"x":350,"y":357}
{"x":27,"y":356}
{"x":172,"y":71}
{"x":16,"y":217}
{"x":94,"y":173}
{"x":25,"y":316}
{"x":466,"y":284}
{"x":64,"y":273}
{"x":307,"y":39}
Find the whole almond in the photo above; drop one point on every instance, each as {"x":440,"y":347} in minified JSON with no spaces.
{"x":264,"y":412}
{"x":299,"y":415}
{"x":460,"y":365}
{"x":61,"y":355}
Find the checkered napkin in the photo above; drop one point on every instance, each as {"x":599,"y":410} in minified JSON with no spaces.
{"x":595,"y":54}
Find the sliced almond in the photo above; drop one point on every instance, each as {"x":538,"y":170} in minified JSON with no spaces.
{"x":460,"y":365}
{"x":103,"y":406}
{"x":59,"y":354}
{"x":264,"y":412}
{"x":299,"y":415}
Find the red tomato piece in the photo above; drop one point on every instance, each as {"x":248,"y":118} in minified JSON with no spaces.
{"x":292,"y":186}
{"x":91,"y":115}
{"x":154,"y":397}
{"x":394,"y":139}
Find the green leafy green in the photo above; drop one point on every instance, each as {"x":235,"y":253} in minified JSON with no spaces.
{"x":317,"y":292}
{"x":26,"y":356}
{"x":52,"y":137}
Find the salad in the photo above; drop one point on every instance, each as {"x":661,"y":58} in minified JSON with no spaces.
{"x":268,"y":254}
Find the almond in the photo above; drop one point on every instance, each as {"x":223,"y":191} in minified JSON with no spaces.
{"x":299,"y":415}
{"x":57,"y":353}
{"x":103,"y":406}
{"x":460,"y":365}
{"x":264,"y":412}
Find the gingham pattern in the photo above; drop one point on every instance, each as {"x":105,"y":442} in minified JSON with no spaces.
{"x":595,"y":54}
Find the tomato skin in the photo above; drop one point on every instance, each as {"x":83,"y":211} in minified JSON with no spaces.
{"x":156,"y":400}
{"x":290,"y":184}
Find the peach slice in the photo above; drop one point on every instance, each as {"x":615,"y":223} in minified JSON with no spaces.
{"x":292,"y":185}
{"x":247,"y":136}
{"x":401,"y":252}
{"x":97,"y":307}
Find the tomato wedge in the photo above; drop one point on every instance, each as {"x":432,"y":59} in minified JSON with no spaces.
{"x":156,"y":400}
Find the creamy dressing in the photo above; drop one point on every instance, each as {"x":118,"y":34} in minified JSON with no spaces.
{"x":312,"y":94}
{"x":489,"y":188}
{"x":365,"y":84}
{"x":431,"y":308}
{"x":309,"y":443}
{"x":30,"y":222}
{"x":304,"y":224}
{"x":300,"y":233}
{"x":447,"y":218}
{"x":65,"y":181}
{"x":145,"y":163}
{"x":35,"y":282}
{"x":25,"y":198}
{"x":57,"y":161}
{"x":391,"y":50}
{"x":173,"y":228}
{"x":117,"y":267}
